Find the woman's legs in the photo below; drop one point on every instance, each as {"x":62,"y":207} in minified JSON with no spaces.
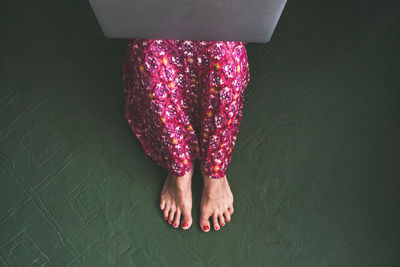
{"x":224,"y":80}
{"x":156,"y":110}
{"x":156,"y":104}
{"x":174,"y":89}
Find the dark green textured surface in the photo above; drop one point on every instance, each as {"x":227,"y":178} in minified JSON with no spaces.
{"x":315,"y":171}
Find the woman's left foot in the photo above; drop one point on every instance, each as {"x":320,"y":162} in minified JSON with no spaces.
{"x":216,"y":202}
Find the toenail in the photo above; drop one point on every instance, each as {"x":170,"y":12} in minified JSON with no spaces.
{"x":205,"y":227}
{"x":169,"y":222}
{"x":166,"y":217}
{"x":216,"y":228}
{"x":228,"y":220}
{"x":222,"y":224}
{"x":185,"y":224}
{"x":175,"y":225}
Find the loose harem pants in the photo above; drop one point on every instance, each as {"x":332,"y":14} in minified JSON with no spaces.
{"x":184,"y":100}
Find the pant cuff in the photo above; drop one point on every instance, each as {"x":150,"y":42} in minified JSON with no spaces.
{"x":180,"y":169}
{"x":212,"y":173}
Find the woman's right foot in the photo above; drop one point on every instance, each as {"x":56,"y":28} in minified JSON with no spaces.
{"x":176,"y":200}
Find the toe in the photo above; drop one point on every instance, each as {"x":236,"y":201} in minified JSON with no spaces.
{"x":171,"y":215}
{"x":166,"y":212}
{"x":162,"y":204}
{"x":227,"y":216}
{"x":186,"y":220}
{"x":177,"y":218}
{"x":215,"y":222}
{"x":231,"y":209}
{"x":221,"y":220}
{"x":204,"y":223}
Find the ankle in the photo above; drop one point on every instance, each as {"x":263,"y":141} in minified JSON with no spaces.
{"x":181,"y":181}
{"x":210,"y":183}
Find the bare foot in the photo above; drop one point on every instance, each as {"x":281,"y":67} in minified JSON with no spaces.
{"x":176,"y":200}
{"x":216,"y":201}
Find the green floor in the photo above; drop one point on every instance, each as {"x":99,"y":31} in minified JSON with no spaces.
{"x":315,"y":170}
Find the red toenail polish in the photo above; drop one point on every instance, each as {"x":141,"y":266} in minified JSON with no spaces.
{"x":169,"y":222}
{"x":222,"y":224}
{"x":216,"y":228}
{"x":175,"y":225}
{"x":166,"y":217}
{"x":185,"y":225}
{"x":205,"y":227}
{"x":228,"y":220}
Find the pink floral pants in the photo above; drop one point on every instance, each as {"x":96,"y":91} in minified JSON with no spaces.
{"x":184,"y":100}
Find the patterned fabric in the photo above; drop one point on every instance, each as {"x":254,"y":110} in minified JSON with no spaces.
{"x":184,"y":100}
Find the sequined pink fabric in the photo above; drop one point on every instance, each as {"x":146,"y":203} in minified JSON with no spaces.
{"x":184,"y":100}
